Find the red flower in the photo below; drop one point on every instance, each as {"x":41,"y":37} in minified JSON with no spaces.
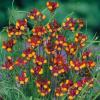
{"x":9,"y":65}
{"x":69,"y":24}
{"x":38,"y":70}
{"x":22,"y":79}
{"x":80,"y":39}
{"x":53,"y":26}
{"x":52,"y":6}
{"x":43,"y":86}
{"x":20,"y":62}
{"x":28,"y":53}
{"x":36,"y":15}
{"x":8,"y":45}
{"x":39,"y":60}
{"x":39,"y":30}
{"x":21,"y":25}
{"x":34,"y":41}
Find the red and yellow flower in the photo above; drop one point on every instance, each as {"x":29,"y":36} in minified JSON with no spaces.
{"x":22,"y":78}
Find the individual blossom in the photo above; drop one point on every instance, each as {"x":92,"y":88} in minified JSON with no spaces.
{"x":52,"y":6}
{"x":69,"y":24}
{"x":21,"y":24}
{"x":59,"y":92}
{"x":66,"y":85}
{"x":11,"y":30}
{"x":80,"y":23}
{"x":71,"y":48}
{"x":91,"y":64}
{"x":80,"y":39}
{"x":57,"y":70}
{"x":86,"y":54}
{"x":59,"y":59}
{"x":8,"y":45}
{"x":20,"y":62}
{"x":8,"y":65}
{"x":34,"y":41}
{"x":39,"y":30}
{"x":22,"y":78}
{"x":77,"y":64}
{"x":43,"y":86}
{"x":36,"y":15}
{"x":53,"y":26}
{"x":38,"y":70}
{"x":28,"y":53}
{"x":50,"y":47}
{"x":40,"y":60}
{"x":60,"y":42}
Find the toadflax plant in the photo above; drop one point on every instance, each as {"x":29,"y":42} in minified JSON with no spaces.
{"x":50,"y":59}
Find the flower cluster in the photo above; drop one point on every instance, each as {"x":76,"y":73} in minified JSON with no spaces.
{"x":9,"y":65}
{"x":36,"y":15}
{"x":22,"y":78}
{"x":52,"y":6}
{"x":43,"y":86}
{"x":77,"y":87}
{"x":9,"y":45}
{"x":48,"y":57}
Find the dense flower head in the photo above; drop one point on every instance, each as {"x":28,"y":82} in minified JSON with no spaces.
{"x":50,"y":47}
{"x":39,"y":30}
{"x":43,"y":86}
{"x":38,"y":70}
{"x":28,"y":53}
{"x":40,"y":60}
{"x":8,"y":65}
{"x":8,"y":45}
{"x":86,"y":54}
{"x":77,"y":64}
{"x":34,"y":41}
{"x":71,"y":48}
{"x":21,"y":24}
{"x":20,"y":62}
{"x":59,"y":69}
{"x":54,"y":26}
{"x":80,"y":39}
{"x":60,"y":42}
{"x":77,"y":87}
{"x":52,"y":6}
{"x":22,"y":78}
{"x":36,"y":15}
{"x":69,"y":24}
{"x":56,"y":63}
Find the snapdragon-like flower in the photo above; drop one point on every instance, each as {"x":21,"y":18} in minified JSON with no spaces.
{"x":36,"y":15}
{"x":28,"y":53}
{"x":54,"y":26}
{"x":22,"y":78}
{"x":40,"y":60}
{"x":86,"y":54}
{"x":8,"y":45}
{"x":20,"y":62}
{"x":21,"y":25}
{"x":69,"y":24}
{"x":71,"y":48}
{"x":60,"y":42}
{"x":38,"y":70}
{"x":43,"y":86}
{"x":59,"y":69}
{"x":35,"y":41}
{"x":52,"y":6}
{"x":39,"y":30}
{"x":8,"y":65}
{"x":80,"y":39}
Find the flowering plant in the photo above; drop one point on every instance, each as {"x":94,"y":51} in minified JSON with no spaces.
{"x":50,"y":63}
